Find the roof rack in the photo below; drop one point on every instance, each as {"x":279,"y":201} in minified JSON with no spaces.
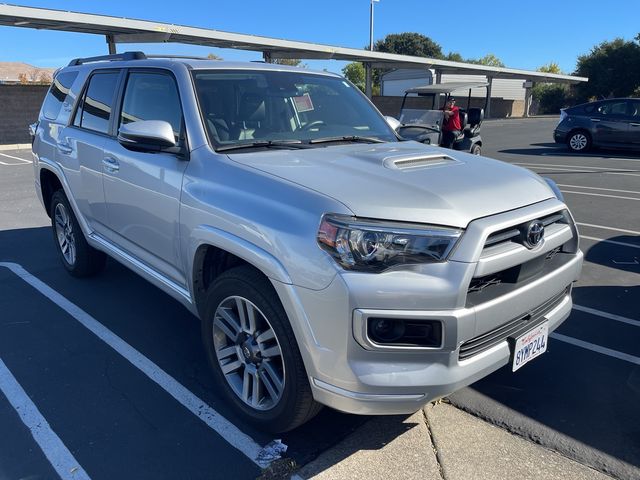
{"x":185,"y":57}
{"x":108,"y":58}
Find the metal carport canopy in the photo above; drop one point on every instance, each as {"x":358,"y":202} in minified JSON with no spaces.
{"x":124,"y":30}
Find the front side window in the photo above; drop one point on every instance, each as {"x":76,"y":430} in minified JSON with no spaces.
{"x":57,"y":94}
{"x":151,"y":96}
{"x":94,"y":112}
{"x":261,"y":106}
{"x":613,"y":109}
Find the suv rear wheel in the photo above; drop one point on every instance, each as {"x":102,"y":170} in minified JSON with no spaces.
{"x":78,"y":257}
{"x":253,"y":352}
{"x":579,"y":141}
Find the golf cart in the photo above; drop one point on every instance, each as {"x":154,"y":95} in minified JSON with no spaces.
{"x":425,"y":125}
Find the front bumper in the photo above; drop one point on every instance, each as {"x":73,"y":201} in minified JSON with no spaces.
{"x":350,"y":375}
{"x":559,"y":136}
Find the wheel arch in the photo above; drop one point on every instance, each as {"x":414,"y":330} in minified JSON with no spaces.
{"x":215,"y":251}
{"x":49,"y":184}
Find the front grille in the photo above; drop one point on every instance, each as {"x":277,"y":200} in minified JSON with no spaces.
{"x":514,"y":233}
{"x":513,"y":328}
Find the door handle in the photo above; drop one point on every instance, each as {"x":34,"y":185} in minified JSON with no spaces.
{"x":110,"y":164}
{"x":64,"y":148}
{"x":635,"y":124}
{"x":595,"y":119}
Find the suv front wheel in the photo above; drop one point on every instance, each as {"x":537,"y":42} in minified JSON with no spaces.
{"x":78,"y":257}
{"x":253,"y":352}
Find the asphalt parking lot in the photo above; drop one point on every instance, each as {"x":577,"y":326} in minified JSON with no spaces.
{"x":118,"y":376}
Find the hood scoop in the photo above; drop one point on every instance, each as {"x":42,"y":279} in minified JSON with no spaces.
{"x":417,"y":161}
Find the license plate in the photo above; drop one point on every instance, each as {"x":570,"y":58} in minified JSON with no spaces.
{"x":530,"y":345}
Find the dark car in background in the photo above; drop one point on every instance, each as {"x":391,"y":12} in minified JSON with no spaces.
{"x":612,"y":123}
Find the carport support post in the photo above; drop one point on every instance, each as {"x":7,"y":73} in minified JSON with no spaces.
{"x":111,"y":44}
{"x":266,"y":56}
{"x":437,"y":97}
{"x":487,"y":113}
{"x":368,"y":80}
{"x":527,"y":98}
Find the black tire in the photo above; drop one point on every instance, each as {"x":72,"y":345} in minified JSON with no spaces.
{"x":579,"y":141}
{"x":476,"y":150}
{"x":78,"y":257}
{"x":295,"y":405}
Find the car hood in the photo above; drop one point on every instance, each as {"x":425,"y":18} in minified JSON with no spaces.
{"x":405,"y":181}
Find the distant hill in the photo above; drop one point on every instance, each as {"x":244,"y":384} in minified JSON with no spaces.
{"x":11,"y":71}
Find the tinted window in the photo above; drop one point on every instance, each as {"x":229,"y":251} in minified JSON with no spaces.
{"x":57,"y":93}
{"x":591,"y":107}
{"x":635,"y":109}
{"x":613,"y":108}
{"x":152,"y":96}
{"x":95,"y":110}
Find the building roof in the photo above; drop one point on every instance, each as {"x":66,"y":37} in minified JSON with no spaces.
{"x":446,"y":87}
{"x":124,"y":30}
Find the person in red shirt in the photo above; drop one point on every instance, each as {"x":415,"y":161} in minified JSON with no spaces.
{"x":451,"y":125}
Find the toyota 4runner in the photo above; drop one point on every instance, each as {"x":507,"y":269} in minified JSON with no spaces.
{"x":329,"y":262}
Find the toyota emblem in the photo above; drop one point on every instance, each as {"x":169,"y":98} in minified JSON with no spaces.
{"x":534,"y":234}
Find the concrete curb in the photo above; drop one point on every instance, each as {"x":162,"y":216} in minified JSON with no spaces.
{"x":15,"y":146}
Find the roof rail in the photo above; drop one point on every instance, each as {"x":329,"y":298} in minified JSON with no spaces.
{"x":185,"y":57}
{"x":108,"y":58}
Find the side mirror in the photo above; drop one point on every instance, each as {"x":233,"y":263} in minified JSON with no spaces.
{"x":147,"y":135}
{"x":393,"y":122}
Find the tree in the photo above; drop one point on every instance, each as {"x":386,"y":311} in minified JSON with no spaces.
{"x":292,"y":62}
{"x":613,"y":69}
{"x":454,"y":57}
{"x":213,"y":56}
{"x":551,"y":67}
{"x":489,"y":59}
{"x":354,"y":72}
{"x":44,"y":78}
{"x":34,"y":74}
{"x":551,"y":97}
{"x":23,"y":79}
{"x":407,"y":43}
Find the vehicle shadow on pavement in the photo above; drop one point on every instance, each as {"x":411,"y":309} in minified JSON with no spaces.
{"x":161,"y":329}
{"x":574,"y":400}
{"x":623,"y":257}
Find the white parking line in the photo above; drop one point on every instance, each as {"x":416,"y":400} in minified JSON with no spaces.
{"x":600,"y":195}
{"x":598,"y":188}
{"x":15,"y":158}
{"x":577,"y":169}
{"x":633,"y":232}
{"x":613,"y":242}
{"x":610,"y":316}
{"x":190,"y":401}
{"x":61,"y":459}
{"x":596,"y":348}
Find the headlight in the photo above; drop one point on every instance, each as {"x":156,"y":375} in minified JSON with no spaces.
{"x":555,"y":188}
{"x":374,"y":246}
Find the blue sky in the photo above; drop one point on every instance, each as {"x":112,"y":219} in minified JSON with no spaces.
{"x":522,"y":34}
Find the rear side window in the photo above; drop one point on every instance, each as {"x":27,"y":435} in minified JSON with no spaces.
{"x":152,"y":96}
{"x":57,"y":93}
{"x":94,"y":111}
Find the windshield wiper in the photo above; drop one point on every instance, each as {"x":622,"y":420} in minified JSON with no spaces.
{"x":347,"y":138}
{"x":264,"y":144}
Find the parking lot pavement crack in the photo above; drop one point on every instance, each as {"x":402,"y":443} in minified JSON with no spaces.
{"x":126,"y":397}
{"x":434,"y":445}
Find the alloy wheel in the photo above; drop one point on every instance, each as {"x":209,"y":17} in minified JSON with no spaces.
{"x":65,"y":234}
{"x":578,"y":141}
{"x":248,"y":353}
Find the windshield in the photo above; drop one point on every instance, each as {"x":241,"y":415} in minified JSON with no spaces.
{"x":416,"y":116}
{"x":280,"y":108}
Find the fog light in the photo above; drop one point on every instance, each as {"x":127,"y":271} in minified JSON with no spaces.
{"x":404,"y":332}
{"x":385,"y":330}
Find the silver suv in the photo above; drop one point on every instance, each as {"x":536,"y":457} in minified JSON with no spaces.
{"x":330,"y":262}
